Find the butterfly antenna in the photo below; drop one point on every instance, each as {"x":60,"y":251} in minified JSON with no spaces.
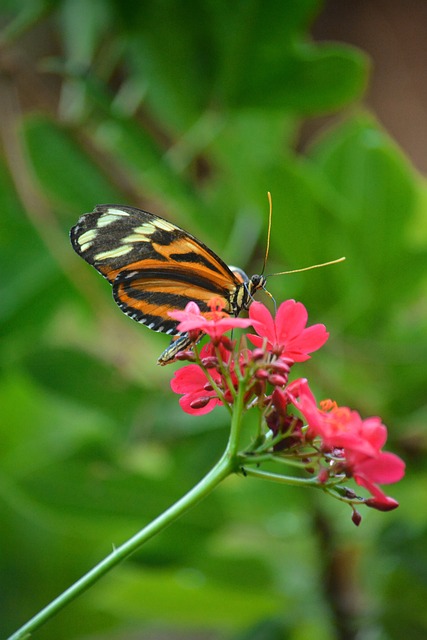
{"x":270,"y":295}
{"x":270,"y":215}
{"x":314,"y":266}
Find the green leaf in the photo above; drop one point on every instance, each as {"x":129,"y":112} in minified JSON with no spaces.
{"x":375,"y":200}
{"x":64,"y":170}
{"x":241,"y":55}
{"x":28,"y":270}
{"x":192,"y":600}
{"x":83,"y":379}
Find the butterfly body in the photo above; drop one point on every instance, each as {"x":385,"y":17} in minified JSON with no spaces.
{"x":155,"y":267}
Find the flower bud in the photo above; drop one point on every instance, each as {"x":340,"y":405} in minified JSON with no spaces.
{"x":261,"y":374}
{"x":323,"y":476}
{"x":282,"y":366}
{"x":279,"y":400}
{"x":200,"y":402}
{"x":258,"y":388}
{"x":356,"y":517}
{"x":258,"y":354}
{"x":227,"y":343}
{"x":186,"y":355}
{"x":210,"y":362}
{"x":273,"y":421}
{"x":385,"y":504}
{"x":277,"y":380}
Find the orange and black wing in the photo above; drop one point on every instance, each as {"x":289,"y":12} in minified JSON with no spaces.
{"x":153,"y":265}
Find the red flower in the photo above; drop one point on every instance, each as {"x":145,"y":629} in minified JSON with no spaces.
{"x":384,"y":468}
{"x":359,"y":440}
{"x":214,"y":323}
{"x":198,"y":395}
{"x":287,"y":335}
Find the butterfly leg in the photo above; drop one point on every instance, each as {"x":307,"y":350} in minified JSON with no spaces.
{"x":177,"y":344}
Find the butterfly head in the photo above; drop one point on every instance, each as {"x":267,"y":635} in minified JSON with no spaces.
{"x":257,"y":281}
{"x":254,"y":283}
{"x":244,"y":292}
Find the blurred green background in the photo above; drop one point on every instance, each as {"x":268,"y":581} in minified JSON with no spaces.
{"x":194,"y":110}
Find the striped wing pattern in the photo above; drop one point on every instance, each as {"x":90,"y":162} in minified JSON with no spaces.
{"x":153,"y":265}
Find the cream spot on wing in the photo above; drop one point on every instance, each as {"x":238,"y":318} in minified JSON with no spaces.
{"x":110,"y":216}
{"x":136,"y":237}
{"x":87,"y":237}
{"x":141,"y":234}
{"x":164,"y":224}
{"x":147,"y":227}
{"x":113,"y":253}
{"x":85,"y":246}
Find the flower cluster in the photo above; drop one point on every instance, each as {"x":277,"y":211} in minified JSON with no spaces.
{"x":329,"y":442}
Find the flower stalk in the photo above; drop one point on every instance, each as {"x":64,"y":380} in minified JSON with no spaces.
{"x":324,"y":444}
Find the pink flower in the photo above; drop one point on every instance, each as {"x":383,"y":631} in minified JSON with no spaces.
{"x":368,"y":472}
{"x":198,"y":395}
{"x":287,"y":334}
{"x":356,"y":441}
{"x":214,"y":323}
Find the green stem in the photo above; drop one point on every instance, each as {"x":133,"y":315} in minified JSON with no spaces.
{"x":236,"y":423}
{"x":275,"y":477}
{"x":226,"y":465}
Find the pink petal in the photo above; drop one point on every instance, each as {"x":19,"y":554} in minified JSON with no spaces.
{"x":375,"y":432}
{"x":257,"y":341}
{"x":188,"y":379}
{"x":291,"y":318}
{"x":296,"y":356}
{"x":192,"y":324}
{"x":235,"y":323}
{"x":312,"y":338}
{"x":265,"y":324}
{"x":379,"y":495}
{"x":384,"y":469}
{"x":191,"y":309}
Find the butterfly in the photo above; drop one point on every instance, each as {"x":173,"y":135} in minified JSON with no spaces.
{"x":155,"y":267}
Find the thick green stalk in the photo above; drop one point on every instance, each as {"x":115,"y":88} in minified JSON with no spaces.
{"x":226,"y":465}
{"x":236,"y":422}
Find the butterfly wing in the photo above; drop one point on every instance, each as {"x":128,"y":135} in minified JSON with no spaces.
{"x":153,"y":265}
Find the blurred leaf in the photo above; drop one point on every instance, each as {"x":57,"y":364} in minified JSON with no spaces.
{"x":83,"y":379}
{"x":63,"y":169}
{"x":191,"y":599}
{"x":27,"y":268}
{"x":243,"y":56}
{"x":377,"y":200}
{"x":308,"y":80}
{"x":30,"y":433}
{"x":143,"y":162}
{"x":82,"y":37}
